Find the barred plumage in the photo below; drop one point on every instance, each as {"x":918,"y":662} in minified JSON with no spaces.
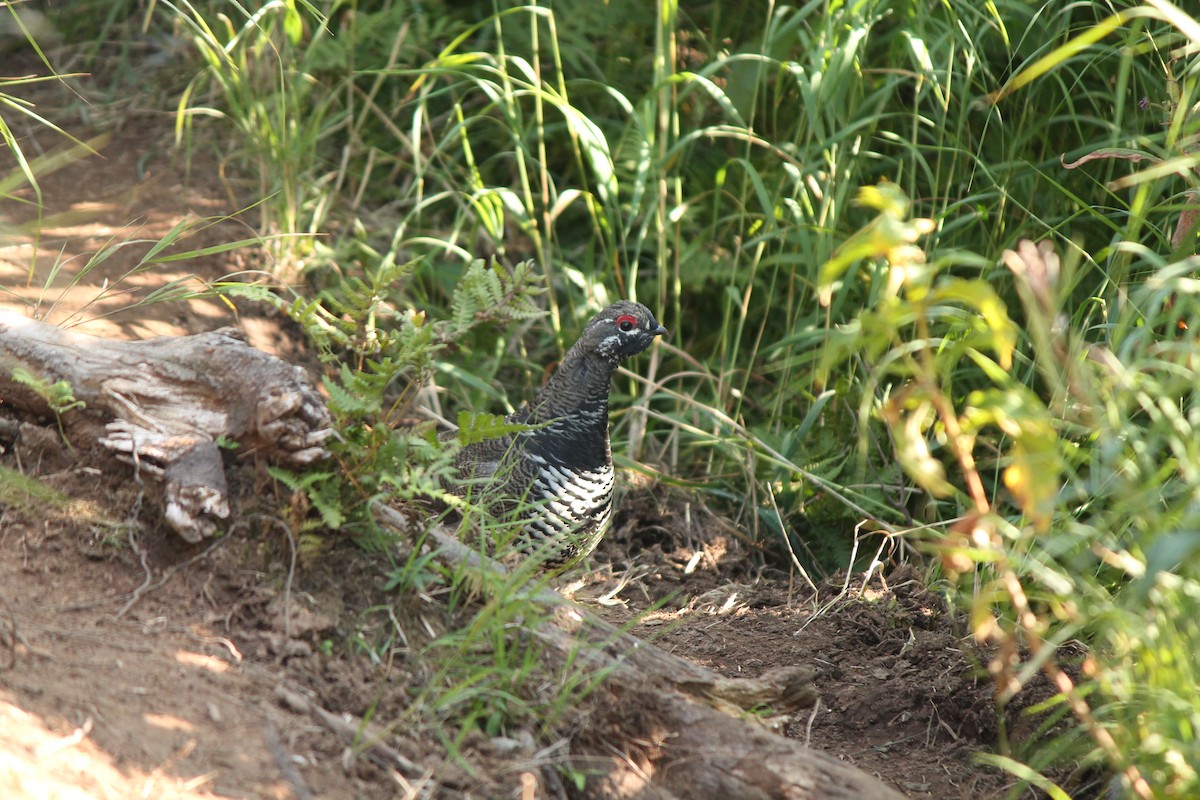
{"x":560,"y":475}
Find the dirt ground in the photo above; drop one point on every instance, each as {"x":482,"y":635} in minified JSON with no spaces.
{"x":133,"y":665}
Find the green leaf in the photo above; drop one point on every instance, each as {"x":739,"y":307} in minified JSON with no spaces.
{"x":478,"y":427}
{"x":492,"y":293}
{"x":909,"y":415}
{"x":293,"y":23}
{"x":1023,"y":772}
{"x":980,"y":296}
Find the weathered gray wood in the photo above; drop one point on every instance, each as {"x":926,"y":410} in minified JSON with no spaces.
{"x":162,"y":404}
{"x":669,"y":729}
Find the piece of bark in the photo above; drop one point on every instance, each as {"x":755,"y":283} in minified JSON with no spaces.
{"x":668,"y":729}
{"x":163,"y":403}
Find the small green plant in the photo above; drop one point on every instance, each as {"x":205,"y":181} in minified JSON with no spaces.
{"x":488,"y":674}
{"x":385,"y":352}
{"x":58,"y":396}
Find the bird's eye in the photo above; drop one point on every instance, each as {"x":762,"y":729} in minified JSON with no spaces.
{"x":626,"y":322}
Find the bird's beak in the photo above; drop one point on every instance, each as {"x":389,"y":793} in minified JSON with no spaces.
{"x":660,"y":331}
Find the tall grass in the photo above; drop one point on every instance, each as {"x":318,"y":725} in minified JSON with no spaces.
{"x":255,"y":74}
{"x":18,"y":27}
{"x":1071,"y":499}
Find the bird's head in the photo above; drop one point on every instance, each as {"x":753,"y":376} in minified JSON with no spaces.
{"x":623,"y":329}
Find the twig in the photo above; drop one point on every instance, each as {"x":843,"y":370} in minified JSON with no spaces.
{"x":355,"y":732}
{"x":811,"y":719}
{"x":75,"y":737}
{"x":133,"y":540}
{"x":167,"y":574}
{"x":9,"y":636}
{"x":287,"y":768}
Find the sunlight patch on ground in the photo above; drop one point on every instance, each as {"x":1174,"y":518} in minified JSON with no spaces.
{"x":210,"y":663}
{"x":39,"y":764}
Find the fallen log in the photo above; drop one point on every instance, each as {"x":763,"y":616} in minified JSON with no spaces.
{"x":669,"y":729}
{"x":163,"y":404}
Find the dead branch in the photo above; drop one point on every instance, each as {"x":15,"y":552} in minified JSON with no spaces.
{"x":162,"y":404}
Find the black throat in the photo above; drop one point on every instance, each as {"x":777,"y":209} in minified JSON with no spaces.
{"x":574,"y":403}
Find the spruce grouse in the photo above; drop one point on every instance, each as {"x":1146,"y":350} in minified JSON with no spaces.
{"x":559,"y":476}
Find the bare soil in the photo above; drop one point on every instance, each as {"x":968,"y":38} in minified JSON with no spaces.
{"x":133,"y":665}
